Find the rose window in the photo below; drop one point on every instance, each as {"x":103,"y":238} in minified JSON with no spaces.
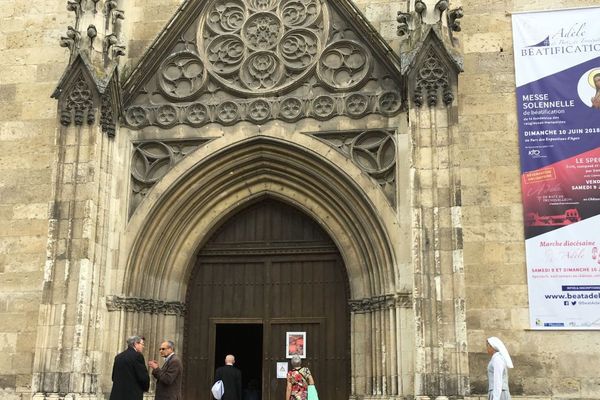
{"x":262,"y":47}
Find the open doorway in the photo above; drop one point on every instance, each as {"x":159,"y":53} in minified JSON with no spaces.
{"x":245,"y":342}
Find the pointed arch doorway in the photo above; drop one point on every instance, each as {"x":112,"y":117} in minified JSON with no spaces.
{"x":268,"y":270}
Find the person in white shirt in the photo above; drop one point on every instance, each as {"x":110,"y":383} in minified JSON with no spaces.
{"x":498,"y":370}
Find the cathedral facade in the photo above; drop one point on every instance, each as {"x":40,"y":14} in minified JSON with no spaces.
{"x":235,"y":174}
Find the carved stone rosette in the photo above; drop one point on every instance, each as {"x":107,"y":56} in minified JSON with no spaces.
{"x":288,"y":109}
{"x":147,"y":306}
{"x":259,"y":48}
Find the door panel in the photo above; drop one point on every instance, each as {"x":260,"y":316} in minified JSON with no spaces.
{"x":270,"y":264}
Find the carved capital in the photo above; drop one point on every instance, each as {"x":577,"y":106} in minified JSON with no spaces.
{"x":147,"y":306}
{"x":378,"y":303}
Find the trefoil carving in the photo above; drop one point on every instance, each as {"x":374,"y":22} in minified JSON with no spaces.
{"x":78,"y":105}
{"x":431,"y":79}
{"x":153,"y":159}
{"x":373,"y":151}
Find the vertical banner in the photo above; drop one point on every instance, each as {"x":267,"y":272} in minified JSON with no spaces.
{"x":557,"y":68}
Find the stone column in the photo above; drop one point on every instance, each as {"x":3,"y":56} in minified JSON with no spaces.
{"x":439,"y":295}
{"x":432,"y":68}
{"x":382,"y":324}
{"x":68,"y":350}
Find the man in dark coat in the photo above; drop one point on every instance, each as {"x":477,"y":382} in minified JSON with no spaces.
{"x":130,"y":376}
{"x":169,"y":376}
{"x":232,"y":379}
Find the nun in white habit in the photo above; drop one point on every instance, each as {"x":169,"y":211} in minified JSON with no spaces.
{"x":498,"y":370}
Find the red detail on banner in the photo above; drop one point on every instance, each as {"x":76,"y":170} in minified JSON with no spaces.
{"x":564,"y":192}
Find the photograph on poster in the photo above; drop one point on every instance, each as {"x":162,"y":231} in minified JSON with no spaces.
{"x":295,"y":344}
{"x":588,"y":88}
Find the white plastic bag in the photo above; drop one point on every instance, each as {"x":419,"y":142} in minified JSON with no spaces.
{"x":218,"y":389}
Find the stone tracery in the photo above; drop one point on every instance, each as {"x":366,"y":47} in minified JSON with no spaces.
{"x":300,"y":58}
{"x":262,"y":46}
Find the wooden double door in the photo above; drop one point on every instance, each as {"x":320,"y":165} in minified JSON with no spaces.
{"x":269,"y":270}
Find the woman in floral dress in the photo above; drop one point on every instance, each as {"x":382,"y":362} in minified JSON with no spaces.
{"x":298,"y":379}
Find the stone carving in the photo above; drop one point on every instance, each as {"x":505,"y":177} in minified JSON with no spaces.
{"x":380,"y":303}
{"x":431,"y":26}
{"x":344,"y":64}
{"x":137,"y":117}
{"x":95,"y":47}
{"x":147,"y":306}
{"x":196,"y":114}
{"x":390,"y":103}
{"x":357,"y":104}
{"x":87,"y":13}
{"x":108,"y":121}
{"x":228,"y":112}
{"x":373,"y":151}
{"x":78,"y":105}
{"x":259,"y":111}
{"x":151,"y":160}
{"x":299,"y":48}
{"x":432,"y":78}
{"x":262,"y":31}
{"x":453,"y":19}
{"x":264,"y":60}
{"x":324,"y":107}
{"x":262,"y":47}
{"x":166,"y":116}
{"x":289,"y":109}
{"x":181,"y":76}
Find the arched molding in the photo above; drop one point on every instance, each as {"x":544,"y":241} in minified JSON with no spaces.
{"x":211,"y":184}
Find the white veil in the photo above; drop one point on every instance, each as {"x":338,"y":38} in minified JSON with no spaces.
{"x":500,"y":348}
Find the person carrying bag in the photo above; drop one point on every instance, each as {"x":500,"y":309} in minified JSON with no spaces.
{"x":300,"y":383}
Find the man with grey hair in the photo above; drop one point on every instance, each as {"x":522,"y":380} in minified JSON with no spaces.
{"x":169,"y":376}
{"x":130,"y":376}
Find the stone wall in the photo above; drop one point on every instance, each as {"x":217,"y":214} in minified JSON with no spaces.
{"x":31,"y":62}
{"x":547,"y":364}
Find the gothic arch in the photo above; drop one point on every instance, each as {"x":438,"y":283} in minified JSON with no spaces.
{"x":201,"y":192}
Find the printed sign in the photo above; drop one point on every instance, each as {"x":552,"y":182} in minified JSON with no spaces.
{"x":282,"y":370}
{"x":557,"y":68}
